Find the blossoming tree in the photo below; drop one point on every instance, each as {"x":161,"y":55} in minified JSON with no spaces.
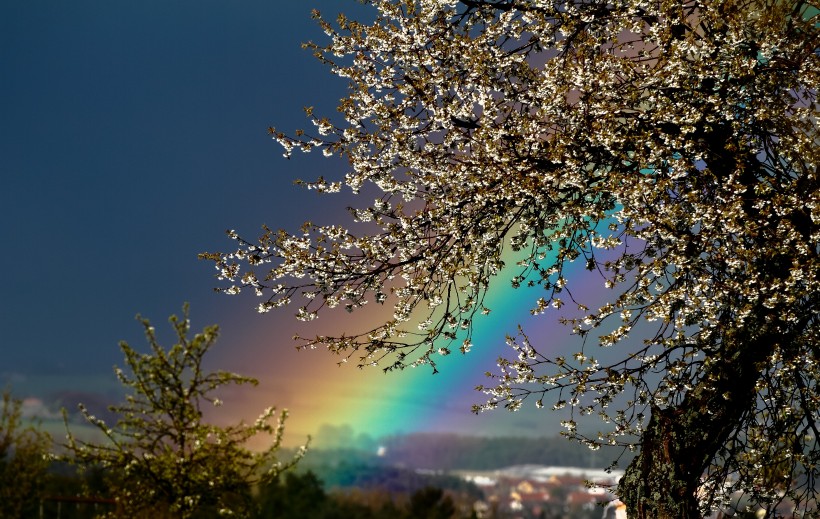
{"x":670,"y":147}
{"x":162,"y":456}
{"x":24,"y":456}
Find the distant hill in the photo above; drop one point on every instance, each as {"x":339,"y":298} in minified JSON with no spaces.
{"x":437,"y":451}
{"x":405,"y":463}
{"x":445,"y":452}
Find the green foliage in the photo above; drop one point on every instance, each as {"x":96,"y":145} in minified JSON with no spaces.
{"x":293,"y":496}
{"x":71,"y":493}
{"x":431,"y":503}
{"x":299,"y":496}
{"x":162,"y":456}
{"x":24,"y":451}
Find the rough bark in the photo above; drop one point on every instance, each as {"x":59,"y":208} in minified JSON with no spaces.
{"x":679,"y":442}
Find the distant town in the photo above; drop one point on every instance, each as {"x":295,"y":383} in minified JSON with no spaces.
{"x":534,"y":491}
{"x":549,"y":488}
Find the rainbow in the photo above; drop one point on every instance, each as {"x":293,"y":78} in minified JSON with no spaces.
{"x":317,"y":391}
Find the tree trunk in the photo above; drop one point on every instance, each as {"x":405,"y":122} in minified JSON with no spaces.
{"x":658,"y":483}
{"x":680,"y":442}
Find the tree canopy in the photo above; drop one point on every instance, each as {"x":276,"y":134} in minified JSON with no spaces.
{"x":161,"y":455}
{"x":668,"y":147}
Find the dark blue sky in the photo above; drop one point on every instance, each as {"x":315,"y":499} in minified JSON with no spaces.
{"x":132,"y":134}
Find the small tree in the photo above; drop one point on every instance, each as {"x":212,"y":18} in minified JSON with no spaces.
{"x":161,"y":454}
{"x":23,"y":459}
